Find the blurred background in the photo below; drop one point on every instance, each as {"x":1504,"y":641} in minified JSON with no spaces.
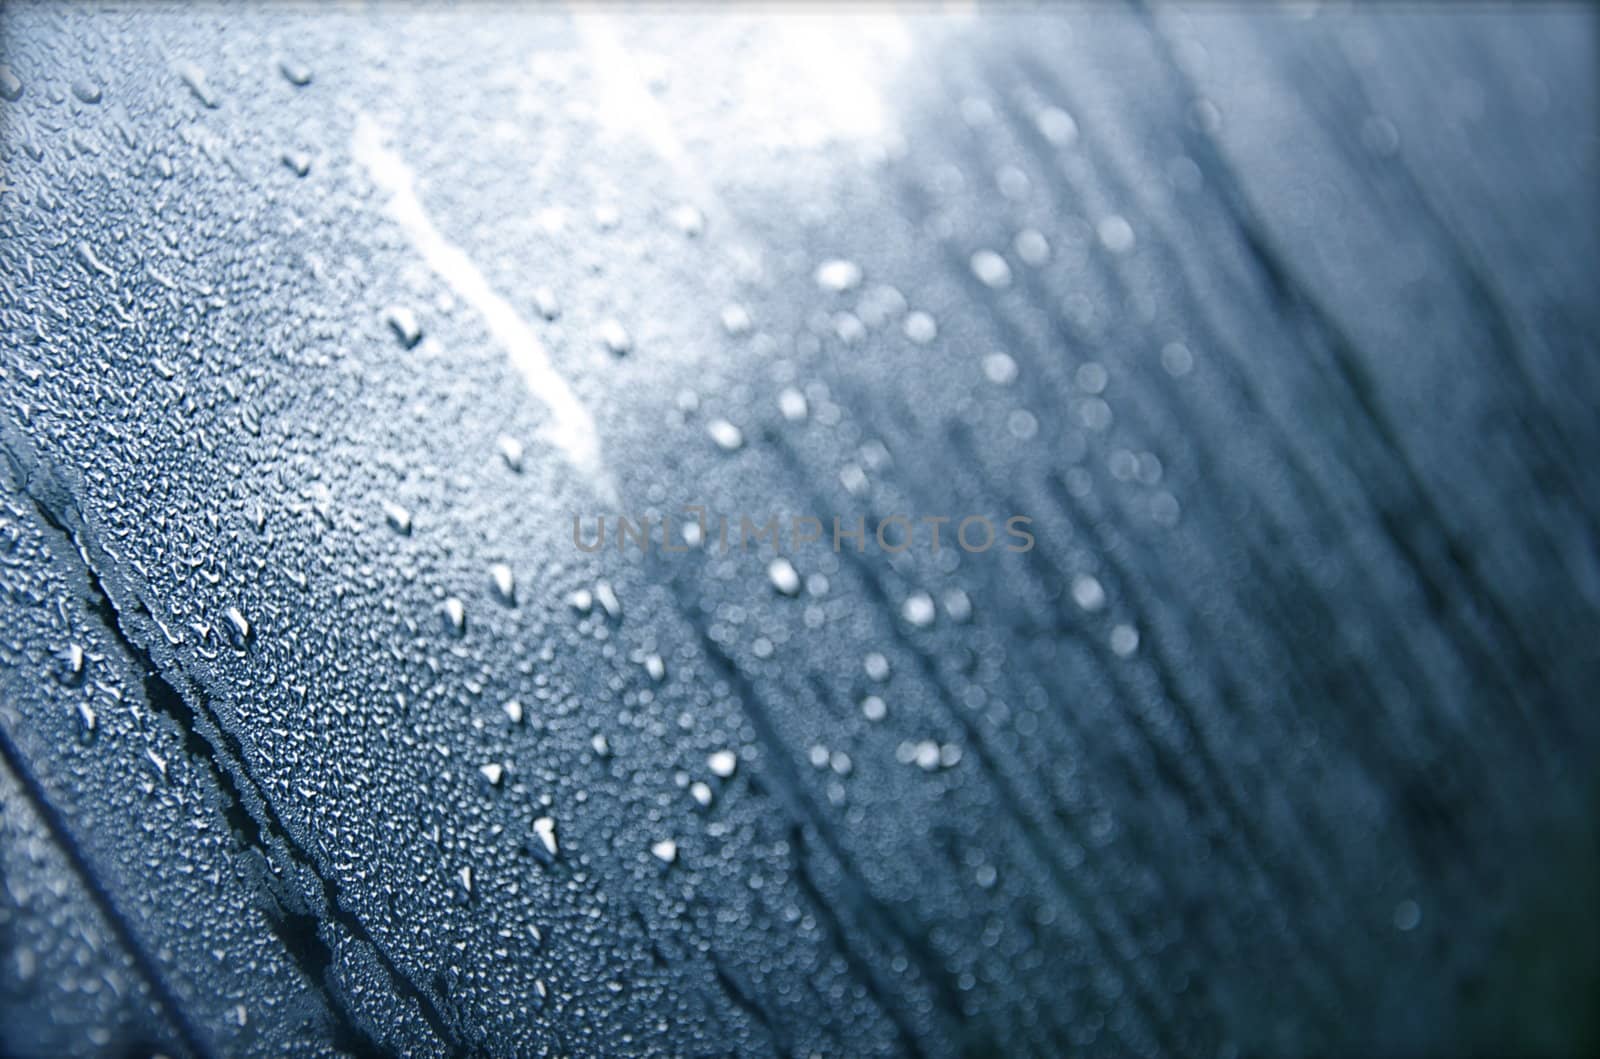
{"x":319,"y":327}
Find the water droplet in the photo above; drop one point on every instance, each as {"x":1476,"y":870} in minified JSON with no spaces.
{"x":297,"y":74}
{"x":1124,"y":640}
{"x":689,"y":220}
{"x":72,"y":666}
{"x":1000,"y":369}
{"x":784,"y":577}
{"x":918,"y":610}
{"x":513,"y":710}
{"x":494,"y":772}
{"x":195,"y":78}
{"x":403,"y":322}
{"x":298,"y":161}
{"x":581,"y":600}
{"x":1087,"y":593}
{"x":398,"y":518}
{"x":86,"y":91}
{"x":1091,"y":377}
{"x":1407,"y":915}
{"x":615,"y":338}
{"x":511,"y":452}
{"x":608,"y":600}
{"x":701,"y":793}
{"x":1116,"y":234}
{"x":874,"y":708}
{"x":728,"y":437}
{"x":876,"y":666}
{"x":722,"y":763}
{"x":545,"y":829}
{"x":656,"y":667}
{"x":465,"y":875}
{"x":958,"y":605}
{"x":601,"y":745}
{"x":666,"y":851}
{"x":238,"y":628}
{"x":505,"y":583}
{"x":455,"y":617}
{"x":10,"y":85}
{"x":920,"y":327}
{"x":544,"y":299}
{"x":838,"y":275}
{"x":991,"y":269}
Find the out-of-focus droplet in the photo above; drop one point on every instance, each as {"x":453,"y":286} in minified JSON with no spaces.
{"x":1057,"y":126}
{"x":1000,"y":369}
{"x":876,"y":666}
{"x":792,"y":403}
{"x":1032,"y":247}
{"x":1124,"y":640}
{"x":1087,"y":593}
{"x":1116,"y":234}
{"x":874,"y":708}
{"x":918,"y":610}
{"x":920,"y":327}
{"x":736,"y":320}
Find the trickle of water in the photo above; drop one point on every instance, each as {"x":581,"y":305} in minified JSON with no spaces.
{"x":728,"y":437}
{"x":403,"y":322}
{"x":991,"y":269}
{"x":838,"y":275}
{"x":615,"y":338}
{"x":784,"y":577}
{"x":505,"y":583}
{"x":454,"y":613}
{"x":398,"y":518}
{"x":722,"y":763}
